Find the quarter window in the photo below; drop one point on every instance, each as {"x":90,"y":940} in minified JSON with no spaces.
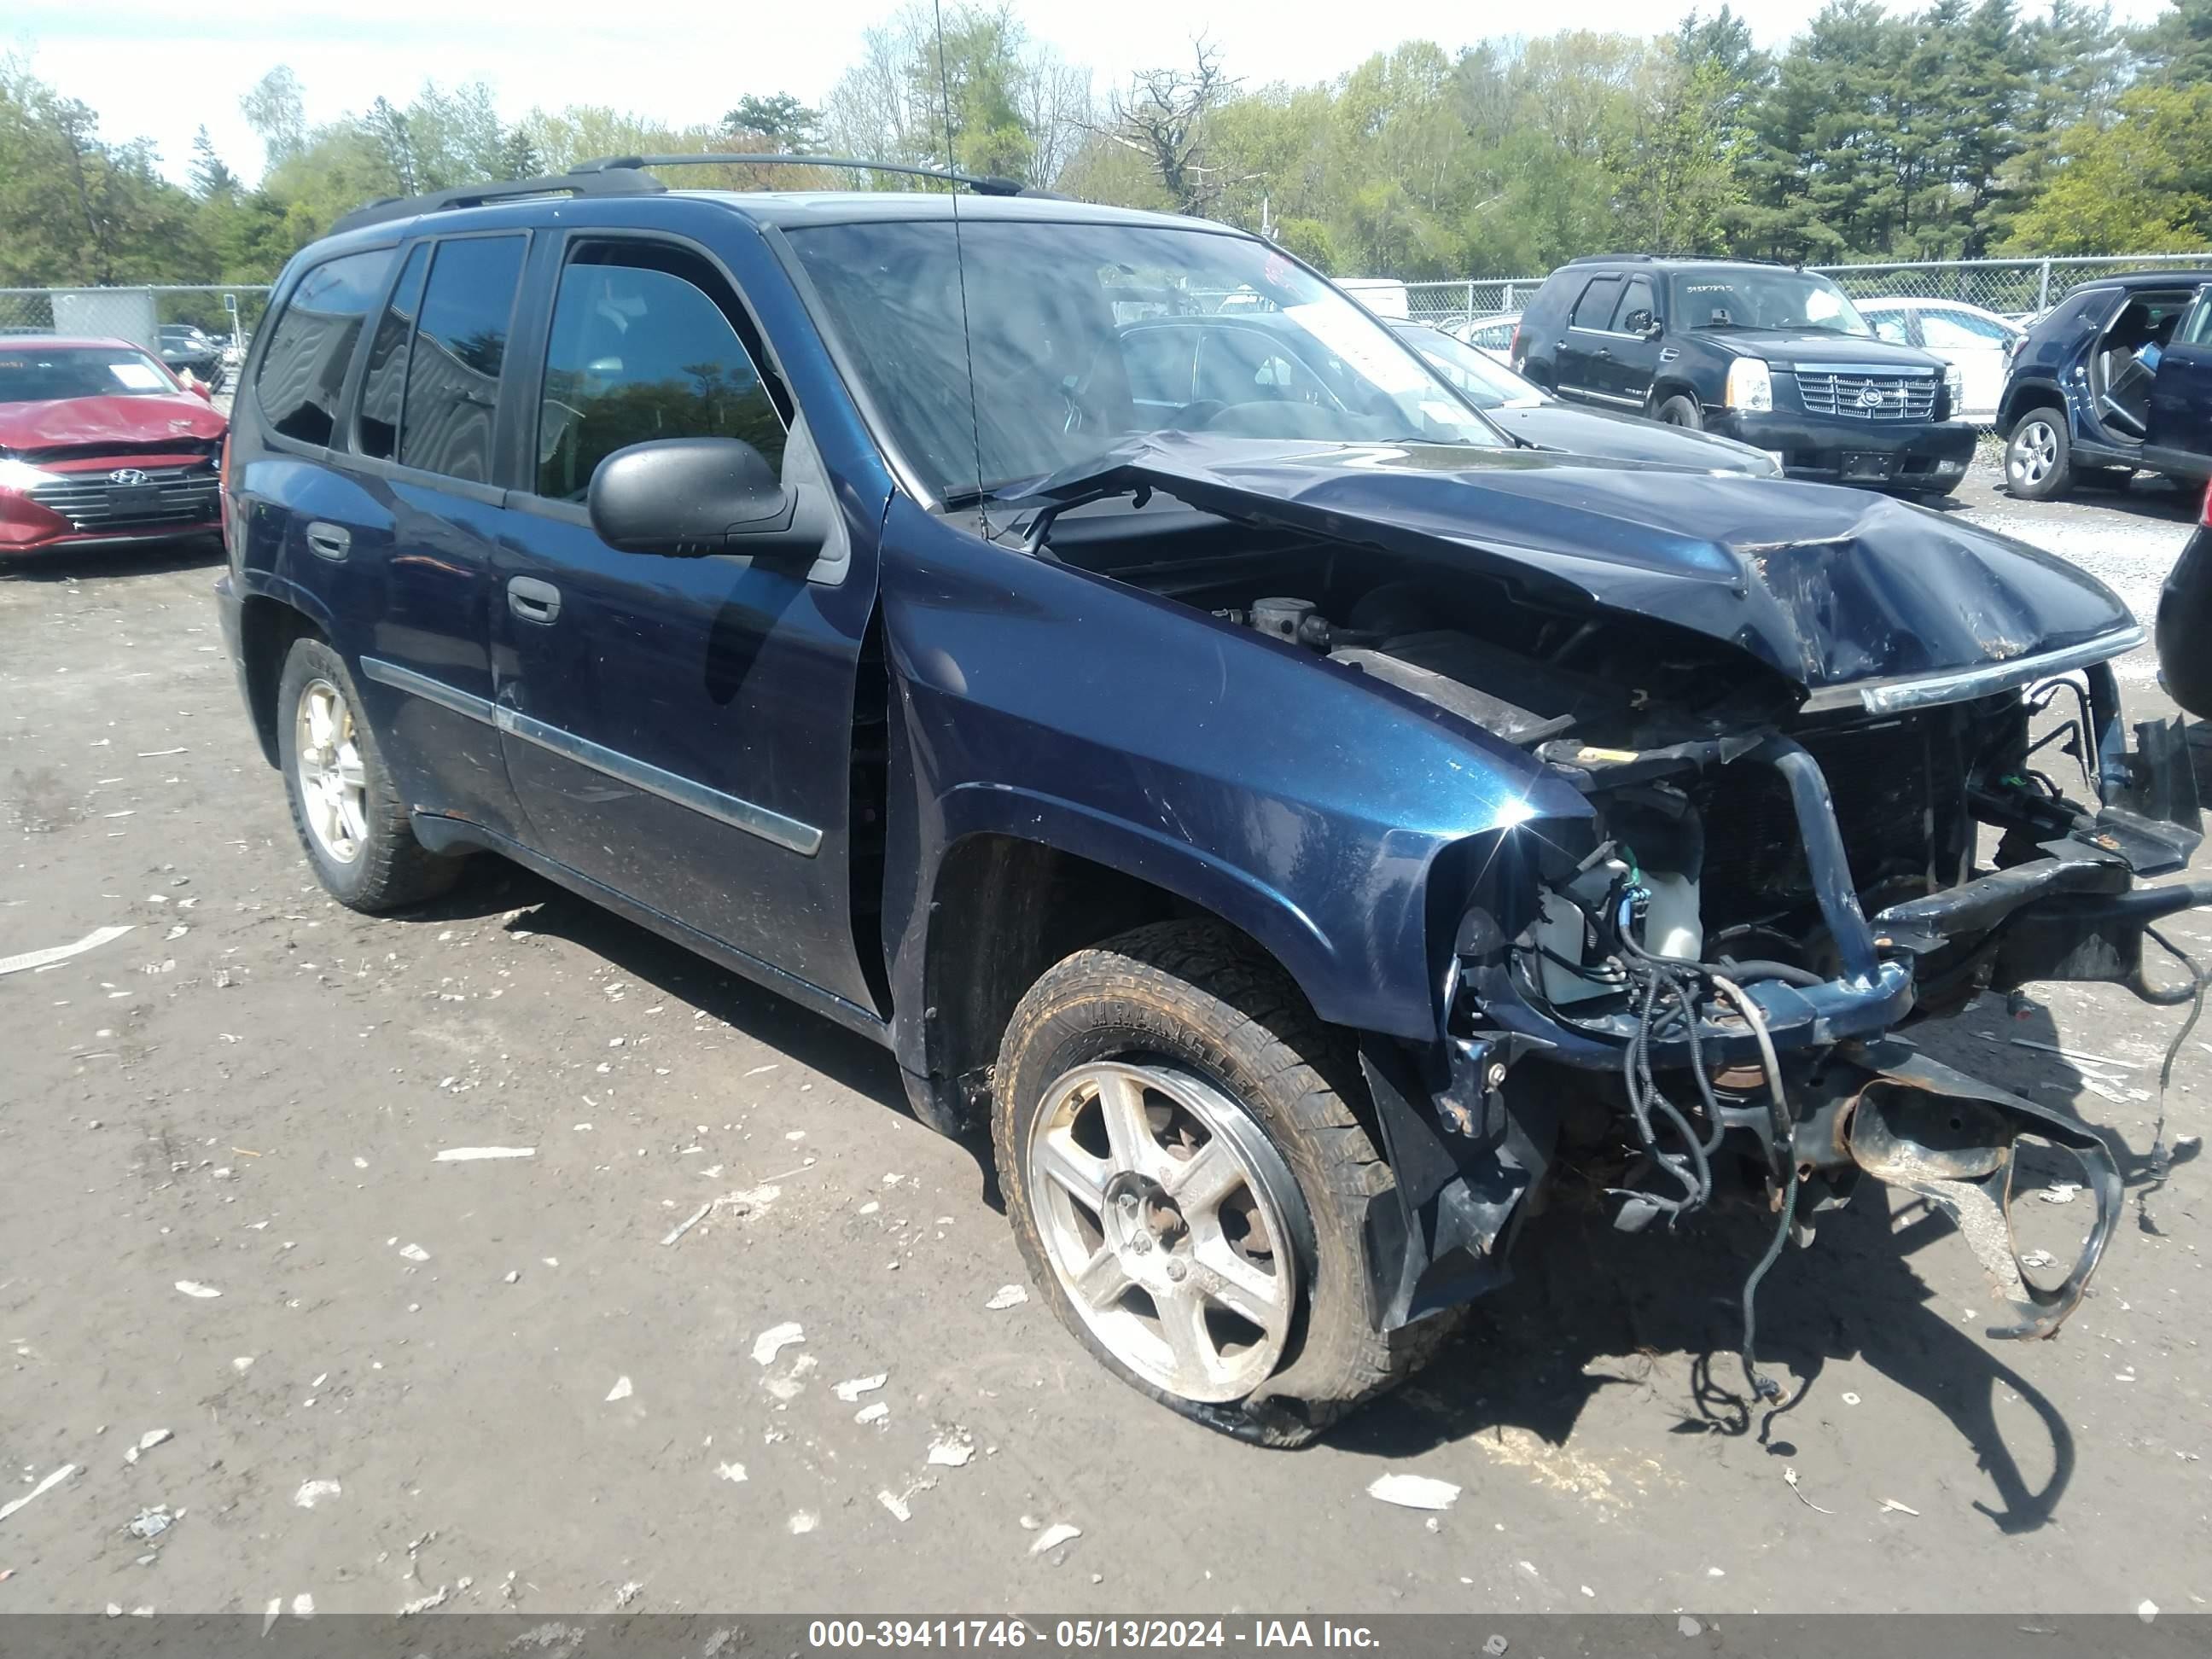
{"x":303,"y":368}
{"x":452,"y":368}
{"x":646,"y":344}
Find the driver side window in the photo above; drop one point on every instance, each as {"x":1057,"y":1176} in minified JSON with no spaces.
{"x":645,"y":345}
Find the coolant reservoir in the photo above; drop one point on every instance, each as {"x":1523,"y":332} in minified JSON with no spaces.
{"x":1672,"y":926}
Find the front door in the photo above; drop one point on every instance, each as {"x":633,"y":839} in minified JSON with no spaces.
{"x":1635,"y":360}
{"x":681,"y":730}
{"x":2178,"y":435}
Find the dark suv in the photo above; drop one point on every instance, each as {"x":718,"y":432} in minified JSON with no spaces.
{"x":1299,"y":828}
{"x":1773,"y":356}
{"x":2117,"y":376}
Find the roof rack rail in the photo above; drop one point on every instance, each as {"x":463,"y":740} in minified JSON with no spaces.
{"x":981,"y":183}
{"x":1649,"y":258}
{"x":625,"y":175}
{"x":388,"y":208}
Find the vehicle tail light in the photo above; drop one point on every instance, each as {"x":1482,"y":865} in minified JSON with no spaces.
{"x":2204,"y":512}
{"x":229,"y":504}
{"x":1513,"y":345}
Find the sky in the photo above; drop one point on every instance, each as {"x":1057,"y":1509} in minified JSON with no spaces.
{"x":159,"y":70}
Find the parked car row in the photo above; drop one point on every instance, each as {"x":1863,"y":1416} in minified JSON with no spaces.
{"x":1293,"y":786}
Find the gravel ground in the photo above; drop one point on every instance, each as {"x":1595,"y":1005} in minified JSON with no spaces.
{"x":518,"y":1382}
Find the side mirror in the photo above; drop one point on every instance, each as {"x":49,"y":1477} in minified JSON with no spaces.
{"x":201,"y":392}
{"x":691,"y":497}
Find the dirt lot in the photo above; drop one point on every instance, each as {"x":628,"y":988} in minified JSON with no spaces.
{"x":507,"y":1382}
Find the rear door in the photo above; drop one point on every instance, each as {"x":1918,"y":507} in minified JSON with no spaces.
{"x":1585,"y":351}
{"x":2179,"y":434}
{"x":423,"y":441}
{"x":681,"y":730}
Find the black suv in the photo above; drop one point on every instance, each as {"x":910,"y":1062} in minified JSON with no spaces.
{"x":1771,"y":355}
{"x":1294,"y":820}
{"x":2117,"y":376}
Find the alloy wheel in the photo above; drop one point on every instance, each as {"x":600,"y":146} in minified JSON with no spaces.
{"x":2034,"y":451}
{"x":1164,"y":1213}
{"x":333,"y":781}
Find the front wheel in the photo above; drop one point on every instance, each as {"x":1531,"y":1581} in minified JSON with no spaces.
{"x":1188,"y":1182}
{"x":1679,"y":410}
{"x":2039,"y":456}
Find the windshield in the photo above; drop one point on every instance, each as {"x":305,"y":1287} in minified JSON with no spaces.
{"x":1740,"y":298}
{"x":1085,"y":335}
{"x":29,"y":375}
{"x":1485,"y":382}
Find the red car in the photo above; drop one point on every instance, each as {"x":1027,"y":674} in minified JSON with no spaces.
{"x":99,"y":446}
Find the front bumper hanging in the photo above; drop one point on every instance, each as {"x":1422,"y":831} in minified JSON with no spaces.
{"x":1466,"y":1160}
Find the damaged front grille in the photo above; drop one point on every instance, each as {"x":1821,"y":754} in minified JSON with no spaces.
{"x":1868,"y":397}
{"x":1899,"y":802}
{"x":133,"y":498}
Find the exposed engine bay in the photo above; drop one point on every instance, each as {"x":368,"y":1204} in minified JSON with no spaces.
{"x":1770,"y":885}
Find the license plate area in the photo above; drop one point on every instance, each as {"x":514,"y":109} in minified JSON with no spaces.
{"x":1863,"y":466}
{"x":133,"y":501}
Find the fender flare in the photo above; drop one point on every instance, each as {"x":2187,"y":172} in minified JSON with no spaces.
{"x":1274,"y":920}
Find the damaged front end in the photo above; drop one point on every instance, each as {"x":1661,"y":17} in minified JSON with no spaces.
{"x":1821,"y":737}
{"x":1705,"y":948}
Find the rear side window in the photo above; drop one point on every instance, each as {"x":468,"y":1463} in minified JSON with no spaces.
{"x":1594,"y":308}
{"x":303,"y":367}
{"x":384,"y":384}
{"x":452,"y":368}
{"x":1158,"y":363}
{"x":646,"y":344}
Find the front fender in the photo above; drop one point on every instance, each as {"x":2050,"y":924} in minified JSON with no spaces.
{"x":1296,"y":799}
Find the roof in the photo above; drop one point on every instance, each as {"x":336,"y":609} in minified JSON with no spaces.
{"x":2132,"y":279}
{"x":1668,"y":261}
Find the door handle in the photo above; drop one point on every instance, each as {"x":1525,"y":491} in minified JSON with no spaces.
{"x":329,"y":541}
{"x":533,"y":600}
{"x":1603,"y":351}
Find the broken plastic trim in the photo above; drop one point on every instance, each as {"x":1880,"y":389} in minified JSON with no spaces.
{"x":1948,"y":1139}
{"x":1894,"y":696}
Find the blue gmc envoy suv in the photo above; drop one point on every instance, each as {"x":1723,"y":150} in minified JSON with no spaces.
{"x":1297,"y":822}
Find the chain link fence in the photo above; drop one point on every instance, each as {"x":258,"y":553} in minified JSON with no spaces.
{"x":227,"y":313}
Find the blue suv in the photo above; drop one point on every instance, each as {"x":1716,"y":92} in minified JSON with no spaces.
{"x":2116,"y":377}
{"x":1294,"y":819}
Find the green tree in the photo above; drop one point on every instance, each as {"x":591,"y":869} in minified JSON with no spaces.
{"x":2142,"y":184}
{"x":2176,"y":48}
{"x":780,"y":123}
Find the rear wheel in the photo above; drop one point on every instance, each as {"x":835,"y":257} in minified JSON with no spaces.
{"x":2039,"y":455}
{"x":1189,"y":1184}
{"x":1679,"y":410}
{"x":344,"y":805}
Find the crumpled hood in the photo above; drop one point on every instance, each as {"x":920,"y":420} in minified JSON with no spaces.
{"x":1826,"y":585}
{"x":68,"y":421}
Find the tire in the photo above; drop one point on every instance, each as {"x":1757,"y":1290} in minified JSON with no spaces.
{"x":363,"y":850}
{"x":2039,"y":455}
{"x":1224,"y":1049}
{"x":1679,"y":410}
